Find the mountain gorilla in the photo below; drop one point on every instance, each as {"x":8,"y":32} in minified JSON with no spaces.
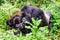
{"x":37,"y":13}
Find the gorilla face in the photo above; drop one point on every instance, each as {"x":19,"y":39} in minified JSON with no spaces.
{"x":26,"y":11}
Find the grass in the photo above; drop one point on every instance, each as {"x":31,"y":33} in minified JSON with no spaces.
{"x":7,"y":10}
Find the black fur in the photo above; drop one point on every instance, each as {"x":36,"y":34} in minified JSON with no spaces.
{"x":37,"y":13}
{"x":27,"y":12}
{"x":14,"y":21}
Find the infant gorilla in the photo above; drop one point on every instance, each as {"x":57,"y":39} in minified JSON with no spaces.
{"x":14,"y":21}
{"x":17,"y":22}
{"x":27,"y":12}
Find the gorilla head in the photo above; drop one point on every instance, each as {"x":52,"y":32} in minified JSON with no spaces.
{"x":14,"y":21}
{"x":31,"y":11}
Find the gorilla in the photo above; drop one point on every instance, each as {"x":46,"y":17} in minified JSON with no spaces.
{"x":37,"y":13}
{"x":14,"y":21}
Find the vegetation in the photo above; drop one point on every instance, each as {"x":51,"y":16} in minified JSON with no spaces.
{"x":8,"y":7}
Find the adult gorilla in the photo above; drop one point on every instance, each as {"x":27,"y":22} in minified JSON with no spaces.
{"x":37,"y":13}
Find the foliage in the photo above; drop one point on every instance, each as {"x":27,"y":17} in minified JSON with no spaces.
{"x":8,"y":7}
